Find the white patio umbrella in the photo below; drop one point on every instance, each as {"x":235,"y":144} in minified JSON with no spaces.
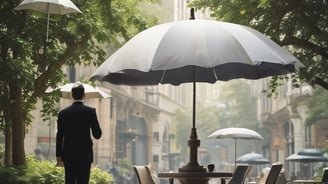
{"x":195,"y":51}
{"x":235,"y":133}
{"x":49,"y":7}
{"x":89,"y":90}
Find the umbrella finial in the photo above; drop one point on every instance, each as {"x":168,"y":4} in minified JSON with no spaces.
{"x":192,"y":14}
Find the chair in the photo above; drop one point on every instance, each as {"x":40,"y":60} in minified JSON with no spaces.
{"x":143,"y":175}
{"x":273,"y":174}
{"x":281,"y":179}
{"x":240,"y":174}
{"x":324,"y":178}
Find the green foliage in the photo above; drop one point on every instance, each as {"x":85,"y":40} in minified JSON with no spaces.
{"x":30,"y":64}
{"x":99,"y":176}
{"x":239,"y":104}
{"x":42,"y":172}
{"x":74,"y":39}
{"x":2,"y":154}
{"x":317,"y":106}
{"x":299,"y":26}
{"x":125,"y":166}
{"x":235,"y":107}
{"x":182,"y":120}
{"x":45,"y":172}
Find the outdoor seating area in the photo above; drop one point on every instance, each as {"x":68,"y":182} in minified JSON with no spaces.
{"x":164,"y":92}
{"x":237,"y":177}
{"x":273,"y":173}
{"x":274,"y":176}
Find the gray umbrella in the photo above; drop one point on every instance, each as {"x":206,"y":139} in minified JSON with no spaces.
{"x":310,"y":152}
{"x":253,"y":159}
{"x":306,"y":158}
{"x":195,"y":51}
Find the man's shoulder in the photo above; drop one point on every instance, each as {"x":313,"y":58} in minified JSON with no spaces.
{"x":88,"y":107}
{"x":65,"y":109}
{"x":75,"y":107}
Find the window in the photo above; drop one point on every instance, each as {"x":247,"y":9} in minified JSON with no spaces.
{"x":156,"y":137}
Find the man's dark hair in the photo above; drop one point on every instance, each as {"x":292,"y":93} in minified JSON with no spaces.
{"x":78,"y":92}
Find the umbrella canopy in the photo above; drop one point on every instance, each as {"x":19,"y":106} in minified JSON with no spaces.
{"x":306,"y":158}
{"x":89,"y":90}
{"x":310,"y":152}
{"x":253,"y":159}
{"x":49,"y":7}
{"x":195,"y":51}
{"x":235,"y":133}
{"x":170,"y":52}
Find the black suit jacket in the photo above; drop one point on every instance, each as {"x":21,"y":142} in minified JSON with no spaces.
{"x":73,"y":140}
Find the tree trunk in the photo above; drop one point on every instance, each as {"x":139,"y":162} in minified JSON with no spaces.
{"x":8,"y":143}
{"x":18,"y":126}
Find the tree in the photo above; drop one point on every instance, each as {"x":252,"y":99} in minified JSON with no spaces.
{"x":239,"y":104}
{"x":206,"y":122}
{"x":235,"y":107}
{"x":29,"y":64}
{"x":299,"y":25}
{"x":317,"y":106}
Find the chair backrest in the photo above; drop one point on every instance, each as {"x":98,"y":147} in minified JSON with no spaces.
{"x":143,"y":175}
{"x":240,"y":174}
{"x":325,"y":175}
{"x":281,"y":179}
{"x":273,"y":174}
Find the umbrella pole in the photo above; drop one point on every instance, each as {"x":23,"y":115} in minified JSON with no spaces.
{"x":48,"y":23}
{"x":193,"y":142}
{"x":235,"y":151}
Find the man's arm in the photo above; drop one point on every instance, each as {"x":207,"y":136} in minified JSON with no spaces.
{"x":59,"y":143}
{"x":95,"y":128}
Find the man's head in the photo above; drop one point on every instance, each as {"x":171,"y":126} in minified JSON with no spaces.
{"x":78,"y":92}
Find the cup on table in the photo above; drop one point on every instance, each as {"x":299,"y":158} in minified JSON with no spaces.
{"x":210,"y":167}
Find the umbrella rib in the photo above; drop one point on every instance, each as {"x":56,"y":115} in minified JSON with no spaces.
{"x":215,"y":75}
{"x":163,"y":75}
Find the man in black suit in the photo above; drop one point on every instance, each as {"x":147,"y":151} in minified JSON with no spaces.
{"x":73,"y":141}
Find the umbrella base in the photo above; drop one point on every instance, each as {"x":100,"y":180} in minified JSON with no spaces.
{"x":193,"y":165}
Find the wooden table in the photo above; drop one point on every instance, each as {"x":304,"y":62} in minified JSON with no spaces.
{"x":195,"y":177}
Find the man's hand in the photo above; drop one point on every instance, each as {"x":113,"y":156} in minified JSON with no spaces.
{"x":60,"y":162}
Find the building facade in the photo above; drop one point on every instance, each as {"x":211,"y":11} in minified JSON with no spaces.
{"x":282,"y":118}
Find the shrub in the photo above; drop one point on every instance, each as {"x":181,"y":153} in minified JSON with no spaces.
{"x":46,"y":172}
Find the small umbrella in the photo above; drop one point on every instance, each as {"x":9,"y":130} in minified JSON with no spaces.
{"x":252,"y":159}
{"x":312,"y":156}
{"x":310,"y":152}
{"x":235,"y":133}
{"x":89,"y":90}
{"x":306,"y":158}
{"x":195,"y":51}
{"x":49,"y":7}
